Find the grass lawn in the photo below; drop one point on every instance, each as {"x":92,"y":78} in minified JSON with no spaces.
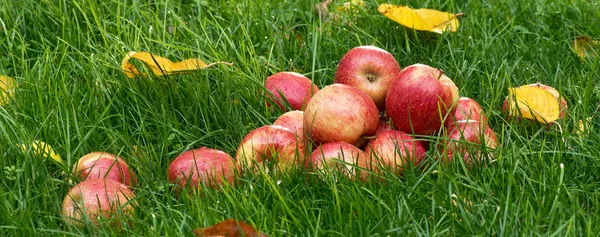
{"x":66,"y":57}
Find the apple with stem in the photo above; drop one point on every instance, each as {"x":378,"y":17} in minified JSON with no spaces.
{"x":395,"y":149}
{"x":292,"y":87}
{"x":420,"y":98}
{"x":204,"y":165}
{"x":103,"y":165}
{"x":370,"y":69}
{"x":97,"y":200}
{"x":271,"y":143}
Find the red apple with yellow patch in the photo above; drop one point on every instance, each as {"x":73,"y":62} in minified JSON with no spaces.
{"x":270,"y":143}
{"x":342,"y":157}
{"x":292,"y":87}
{"x":207,"y":166}
{"x":467,"y":109}
{"x":294,"y":121}
{"x":466,"y":139}
{"x":103,"y":165}
{"x":394,"y":150}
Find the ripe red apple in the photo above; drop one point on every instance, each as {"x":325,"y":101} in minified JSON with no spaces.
{"x":340,"y":156}
{"x":467,"y":109}
{"x":466,"y":138}
{"x":395,"y":149}
{"x":419,"y":99}
{"x":229,"y":228}
{"x":97,"y":199}
{"x":203,"y":165}
{"x":270,"y":143}
{"x":562,"y":103}
{"x":296,"y":88}
{"x":293,"y":120}
{"x":370,"y":69}
{"x":340,"y":112}
{"x":102,"y":165}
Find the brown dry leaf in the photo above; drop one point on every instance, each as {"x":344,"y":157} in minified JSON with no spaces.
{"x":421,"y":19}
{"x":533,"y":103}
{"x":7,"y":89}
{"x":584,"y":46}
{"x":162,"y":66}
{"x":229,"y":228}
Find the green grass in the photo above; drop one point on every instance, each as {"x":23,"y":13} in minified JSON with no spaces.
{"x":66,"y":58}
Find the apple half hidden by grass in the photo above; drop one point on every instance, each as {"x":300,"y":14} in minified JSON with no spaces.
{"x":466,"y":139}
{"x":394,"y":150}
{"x":270,"y":143}
{"x":340,"y":157}
{"x":294,"y":87}
{"x":207,"y":166}
{"x":103,"y":165}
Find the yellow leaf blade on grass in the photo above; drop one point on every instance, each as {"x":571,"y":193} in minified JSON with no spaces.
{"x":421,"y":19}
{"x":40,"y":148}
{"x":585,"y":46}
{"x":533,"y":103}
{"x":7,"y":89}
{"x":162,"y":66}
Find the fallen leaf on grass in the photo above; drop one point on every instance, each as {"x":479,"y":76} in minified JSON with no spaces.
{"x":40,"y":148}
{"x":229,"y":228}
{"x":322,"y":9}
{"x":421,"y":19}
{"x":584,"y":47}
{"x":162,"y":66}
{"x":533,"y":103}
{"x":7,"y":89}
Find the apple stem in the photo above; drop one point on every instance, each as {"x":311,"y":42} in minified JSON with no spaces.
{"x":459,"y":14}
{"x":441,"y":73}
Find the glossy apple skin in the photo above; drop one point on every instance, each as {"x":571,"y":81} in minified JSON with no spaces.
{"x":296,"y":88}
{"x":468,"y":136}
{"x":340,"y":156}
{"x":419,"y":99}
{"x":370,"y":69}
{"x":230,"y":228}
{"x":267,"y":143}
{"x":340,"y":112}
{"x":203,"y":165}
{"x":103,"y":165}
{"x":394,"y":149}
{"x":294,"y":121}
{"x":467,"y":109}
{"x":96,"y":199}
{"x":562,"y":103}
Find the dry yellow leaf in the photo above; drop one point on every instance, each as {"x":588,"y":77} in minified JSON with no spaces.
{"x":421,"y":19}
{"x":533,"y":103}
{"x":351,"y":6}
{"x":582,"y":127}
{"x":162,"y":66}
{"x":585,"y":46}
{"x":7,"y":89}
{"x":40,"y":148}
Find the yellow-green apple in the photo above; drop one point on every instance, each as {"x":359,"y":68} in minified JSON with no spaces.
{"x":294,"y":87}
{"x":466,"y":138}
{"x":207,"y":166}
{"x":103,"y":165}
{"x":342,"y":157}
{"x":420,"y":98}
{"x":370,"y":69}
{"x":394,"y":149}
{"x":562,"y":103}
{"x":271,"y":143}
{"x":467,"y":109}
{"x":98,"y":200}
{"x":293,"y":120}
{"x":340,"y":112}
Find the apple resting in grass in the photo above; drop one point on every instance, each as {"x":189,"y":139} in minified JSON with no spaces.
{"x":272,"y":143}
{"x":342,"y":157}
{"x":293,"y":120}
{"x":203,"y":165}
{"x":466,"y":138}
{"x":419,"y":99}
{"x":562,"y":103}
{"x":102,"y":165}
{"x":370,"y":69}
{"x":229,"y":228}
{"x":340,"y":112}
{"x":295,"y":87}
{"x":97,"y":199}
{"x":467,"y":109}
{"x":395,"y":149}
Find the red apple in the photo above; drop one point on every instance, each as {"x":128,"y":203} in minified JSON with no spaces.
{"x":97,"y":199}
{"x":340,"y":112}
{"x":342,"y":157}
{"x":384,"y":125}
{"x":270,"y":143}
{"x":229,"y":228}
{"x":102,"y":165}
{"x":394,"y":149}
{"x":370,"y":69}
{"x":293,"y":120}
{"x":562,"y":103}
{"x":466,"y":138}
{"x":419,"y":99}
{"x":203,"y":165}
{"x":467,"y":109}
{"x":296,"y":88}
